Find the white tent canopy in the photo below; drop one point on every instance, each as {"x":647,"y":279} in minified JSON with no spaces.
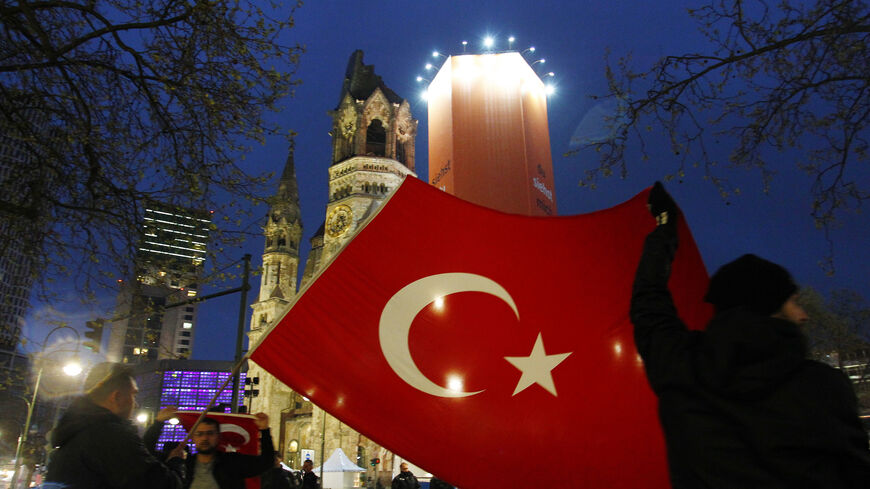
{"x":339,"y":472}
{"x":338,"y":462}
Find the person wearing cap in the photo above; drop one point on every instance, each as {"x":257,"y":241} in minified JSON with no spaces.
{"x":739,"y":403}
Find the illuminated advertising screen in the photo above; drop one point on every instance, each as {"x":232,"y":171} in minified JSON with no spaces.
{"x":192,"y":391}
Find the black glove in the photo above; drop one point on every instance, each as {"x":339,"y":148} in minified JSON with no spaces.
{"x":661,"y":205}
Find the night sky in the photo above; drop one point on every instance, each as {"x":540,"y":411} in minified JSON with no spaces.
{"x":398,"y":38}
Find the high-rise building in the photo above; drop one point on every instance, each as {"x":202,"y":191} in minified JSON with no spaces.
{"x":20,"y":185}
{"x":169,"y":265}
{"x":489,"y":141}
{"x":373,"y":136}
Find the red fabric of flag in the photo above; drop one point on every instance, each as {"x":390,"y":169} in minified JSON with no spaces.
{"x":239,"y":433}
{"x":493,"y":350}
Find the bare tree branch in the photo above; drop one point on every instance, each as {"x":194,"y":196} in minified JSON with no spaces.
{"x":787,"y":77}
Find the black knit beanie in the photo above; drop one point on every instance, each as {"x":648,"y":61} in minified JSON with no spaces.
{"x":756,"y":284}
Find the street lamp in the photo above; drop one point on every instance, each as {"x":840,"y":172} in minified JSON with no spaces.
{"x":71,"y":368}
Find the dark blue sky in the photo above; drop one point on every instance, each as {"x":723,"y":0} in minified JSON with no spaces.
{"x":398,"y":37}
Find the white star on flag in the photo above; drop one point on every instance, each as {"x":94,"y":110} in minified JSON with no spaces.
{"x":229,"y":448}
{"x":537,"y":367}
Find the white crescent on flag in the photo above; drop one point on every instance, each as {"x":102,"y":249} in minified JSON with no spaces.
{"x":234,"y":428}
{"x":403,"y":307}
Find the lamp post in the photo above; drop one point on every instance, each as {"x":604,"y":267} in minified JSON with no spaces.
{"x":71,"y":369}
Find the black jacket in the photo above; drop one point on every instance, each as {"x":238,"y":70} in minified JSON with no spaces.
{"x":405,"y":480}
{"x":96,"y":449}
{"x":739,"y":403}
{"x":309,"y":480}
{"x":231,"y":469}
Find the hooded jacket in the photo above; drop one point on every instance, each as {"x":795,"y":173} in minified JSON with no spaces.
{"x":739,"y":403}
{"x":96,"y":449}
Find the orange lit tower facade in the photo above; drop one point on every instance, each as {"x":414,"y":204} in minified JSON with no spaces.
{"x":489,"y":142}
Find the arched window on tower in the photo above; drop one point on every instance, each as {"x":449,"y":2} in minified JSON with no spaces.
{"x":281,"y":240}
{"x":376,"y":139}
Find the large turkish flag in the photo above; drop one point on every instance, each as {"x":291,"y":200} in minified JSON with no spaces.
{"x":493,"y":350}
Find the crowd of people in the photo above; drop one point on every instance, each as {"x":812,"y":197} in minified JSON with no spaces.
{"x":97,"y":447}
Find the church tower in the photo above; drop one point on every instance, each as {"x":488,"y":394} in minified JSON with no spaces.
{"x":373,"y":136}
{"x":283,"y":233}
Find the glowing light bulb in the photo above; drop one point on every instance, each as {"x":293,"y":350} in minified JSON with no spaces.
{"x":434,"y":54}
{"x":419,"y":78}
{"x":511,"y":39}
{"x":173,"y":421}
{"x":428,"y":66}
{"x":549,"y":89}
{"x":488,"y":42}
{"x":142,"y":417}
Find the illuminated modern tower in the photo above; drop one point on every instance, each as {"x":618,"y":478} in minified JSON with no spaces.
{"x":169,"y":265}
{"x":489,"y":142}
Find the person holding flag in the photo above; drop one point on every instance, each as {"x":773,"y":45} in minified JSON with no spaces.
{"x":212,"y":468}
{"x":739,"y":403}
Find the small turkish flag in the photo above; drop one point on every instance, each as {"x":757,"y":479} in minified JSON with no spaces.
{"x":239,"y":433}
{"x":491,"y":349}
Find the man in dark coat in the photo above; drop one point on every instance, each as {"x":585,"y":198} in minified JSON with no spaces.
{"x":277,"y":477}
{"x":309,"y":478}
{"x":213,"y":469}
{"x":96,"y":445}
{"x":739,"y":403}
{"x":405,"y":479}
